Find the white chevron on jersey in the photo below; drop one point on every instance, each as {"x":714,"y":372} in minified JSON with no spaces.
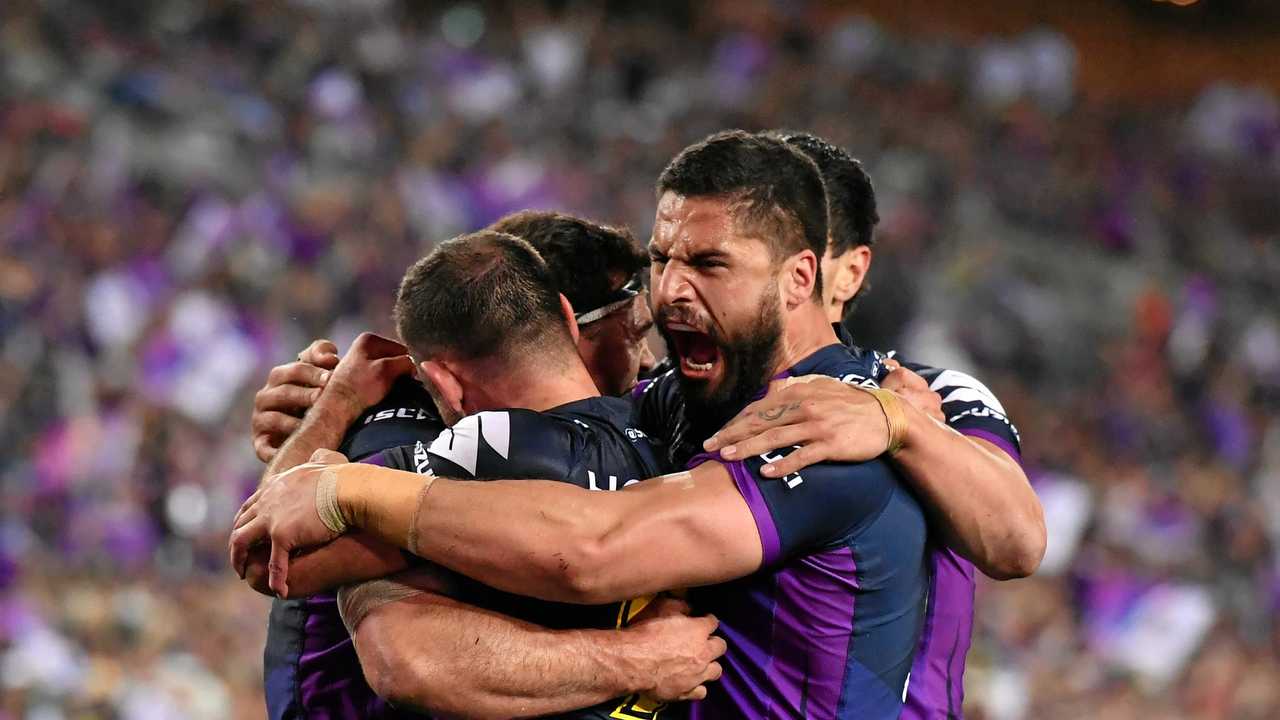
{"x":460,"y":444}
{"x":964,"y":388}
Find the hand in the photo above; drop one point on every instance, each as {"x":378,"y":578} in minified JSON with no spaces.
{"x":368,"y":370}
{"x":283,"y":513}
{"x":828,"y":419}
{"x":291,"y":389}
{"x":256,"y":573}
{"x":914,"y":389}
{"x":680,"y":650}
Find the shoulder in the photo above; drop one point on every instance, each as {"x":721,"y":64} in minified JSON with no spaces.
{"x":970,"y":406}
{"x":404,"y":416}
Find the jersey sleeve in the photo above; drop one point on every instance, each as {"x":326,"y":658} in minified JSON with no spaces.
{"x":406,"y":415}
{"x":821,"y":506}
{"x":972,"y":409}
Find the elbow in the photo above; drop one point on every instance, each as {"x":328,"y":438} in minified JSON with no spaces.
{"x":1021,"y":553}
{"x":582,"y":571}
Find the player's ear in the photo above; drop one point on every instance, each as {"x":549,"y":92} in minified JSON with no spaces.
{"x":799,"y":278}
{"x":569,"y":316}
{"x":851,"y":271}
{"x":445,"y":389}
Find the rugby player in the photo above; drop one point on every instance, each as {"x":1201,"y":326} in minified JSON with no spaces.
{"x":309,"y":655}
{"x":997,"y":521}
{"x":475,"y":310}
{"x":1009,"y":550}
{"x":827,"y":556}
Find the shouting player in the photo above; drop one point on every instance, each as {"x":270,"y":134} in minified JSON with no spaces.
{"x":827,"y":612}
{"x":984,"y":509}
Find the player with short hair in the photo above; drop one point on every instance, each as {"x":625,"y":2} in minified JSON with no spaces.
{"x":496,"y":345}
{"x":832,"y":590}
{"x":601,"y":269}
{"x":996,"y":487}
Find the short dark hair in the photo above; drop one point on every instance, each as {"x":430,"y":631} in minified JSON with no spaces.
{"x":851,"y":199}
{"x":582,"y":255}
{"x":775,"y":185}
{"x":483,"y":295}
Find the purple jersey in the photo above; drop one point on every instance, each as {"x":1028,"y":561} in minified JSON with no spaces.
{"x":828,"y":627}
{"x":937,"y":677}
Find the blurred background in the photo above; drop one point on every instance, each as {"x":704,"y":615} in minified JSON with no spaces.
{"x":1080,"y":203}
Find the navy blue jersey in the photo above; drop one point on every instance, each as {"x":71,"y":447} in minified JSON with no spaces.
{"x":589,"y":443}
{"x":310,"y":667}
{"x":829,"y":626}
{"x":937,"y":676}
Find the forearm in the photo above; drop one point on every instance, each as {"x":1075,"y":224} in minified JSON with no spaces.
{"x":981,"y":499}
{"x":450,"y":659}
{"x":351,"y":558}
{"x":555,"y":541}
{"x":323,"y":428}
{"x":522,"y":536}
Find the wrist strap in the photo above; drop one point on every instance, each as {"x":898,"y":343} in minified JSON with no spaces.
{"x":894,"y":415}
{"x":327,"y":502}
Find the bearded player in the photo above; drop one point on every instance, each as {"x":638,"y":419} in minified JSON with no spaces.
{"x":828,"y":609}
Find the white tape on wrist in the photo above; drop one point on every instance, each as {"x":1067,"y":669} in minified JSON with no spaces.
{"x":327,"y":503}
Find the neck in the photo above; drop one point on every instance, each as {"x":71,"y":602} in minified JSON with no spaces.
{"x":805,"y":331}
{"x":532,"y":387}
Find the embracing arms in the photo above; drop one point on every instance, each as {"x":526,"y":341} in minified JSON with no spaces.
{"x":541,"y":538}
{"x":976,"y":491}
{"x":425,"y":651}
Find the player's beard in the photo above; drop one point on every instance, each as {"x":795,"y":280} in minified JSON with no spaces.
{"x":748,"y":365}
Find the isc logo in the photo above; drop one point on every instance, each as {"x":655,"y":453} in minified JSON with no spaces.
{"x":794,"y":478}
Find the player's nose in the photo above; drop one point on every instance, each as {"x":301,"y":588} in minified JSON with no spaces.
{"x":672,"y":286}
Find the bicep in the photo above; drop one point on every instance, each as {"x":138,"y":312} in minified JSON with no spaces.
{"x":682,"y":530}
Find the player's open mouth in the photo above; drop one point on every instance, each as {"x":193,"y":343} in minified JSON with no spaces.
{"x":698,"y":353}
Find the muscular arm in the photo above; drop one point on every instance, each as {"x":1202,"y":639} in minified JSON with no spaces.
{"x":983,"y":505}
{"x":556,"y":541}
{"x":435,"y":654}
{"x":987,"y":510}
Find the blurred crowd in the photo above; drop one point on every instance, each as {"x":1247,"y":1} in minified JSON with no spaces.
{"x":190,"y":191}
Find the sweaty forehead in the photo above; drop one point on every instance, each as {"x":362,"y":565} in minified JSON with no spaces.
{"x":686,"y":225}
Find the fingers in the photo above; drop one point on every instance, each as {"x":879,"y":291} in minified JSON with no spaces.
{"x":394,"y":367}
{"x":718,"y":648}
{"x":712,"y":622}
{"x":248,"y":503}
{"x":327,"y":457}
{"x":697,"y":693}
{"x":266,"y":446}
{"x":321,"y":353}
{"x":772,"y":439}
{"x":294,"y":373}
{"x":798,"y":460}
{"x":242,"y":539}
{"x":376,"y":346}
{"x":667,"y":607}
{"x":755,"y":419}
{"x":292,"y":400}
{"x":892,"y":363}
{"x":278,"y":569}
